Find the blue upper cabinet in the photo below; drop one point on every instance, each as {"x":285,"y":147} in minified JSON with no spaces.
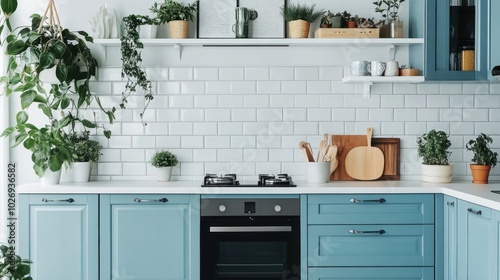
{"x":59,"y":233}
{"x":154,"y":237}
{"x":494,"y":38}
{"x":457,"y":39}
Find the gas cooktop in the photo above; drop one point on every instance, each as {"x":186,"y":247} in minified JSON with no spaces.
{"x":265,"y":180}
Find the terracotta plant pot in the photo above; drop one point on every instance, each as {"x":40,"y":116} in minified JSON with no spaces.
{"x":179,"y":29}
{"x":326,"y":25}
{"x":298,"y":29}
{"x":351,"y":24}
{"x":480,"y":173}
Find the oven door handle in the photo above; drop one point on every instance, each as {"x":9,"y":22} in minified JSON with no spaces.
{"x":252,"y":229}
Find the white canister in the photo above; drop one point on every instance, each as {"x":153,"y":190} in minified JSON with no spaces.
{"x":391,"y":68}
{"x":318,"y":172}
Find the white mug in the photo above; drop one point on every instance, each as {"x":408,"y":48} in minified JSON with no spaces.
{"x":376,"y":68}
{"x":392,"y":68}
{"x":359,"y":68}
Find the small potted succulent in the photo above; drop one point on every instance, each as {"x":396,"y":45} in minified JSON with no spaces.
{"x":325,"y":20}
{"x":164,"y":161}
{"x":346,"y":16}
{"x":433,"y":148}
{"x":299,"y":18}
{"x":85,"y":154}
{"x":352,"y":22}
{"x":484,"y":158}
{"x":176,"y":15}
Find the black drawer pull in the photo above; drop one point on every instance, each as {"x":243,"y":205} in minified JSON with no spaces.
{"x":353,"y":200}
{"x":478,"y":212}
{"x":162,"y":200}
{"x":353,"y":231}
{"x":69,"y":200}
{"x":450,"y":203}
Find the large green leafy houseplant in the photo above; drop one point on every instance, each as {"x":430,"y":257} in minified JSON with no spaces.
{"x":483,"y":155}
{"x":12,"y":266}
{"x":45,"y":47}
{"x":300,"y":11}
{"x":171,"y":10}
{"x":433,"y":148}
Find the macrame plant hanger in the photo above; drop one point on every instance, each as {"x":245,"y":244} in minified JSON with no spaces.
{"x":53,"y":18}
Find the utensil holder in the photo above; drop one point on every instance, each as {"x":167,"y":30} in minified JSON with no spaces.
{"x":318,"y":172}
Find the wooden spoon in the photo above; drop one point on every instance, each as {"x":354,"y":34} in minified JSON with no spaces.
{"x":323,"y":148}
{"x":306,"y":149}
{"x":331,"y":156}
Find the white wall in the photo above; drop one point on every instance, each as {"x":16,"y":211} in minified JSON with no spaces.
{"x":245,"y":110}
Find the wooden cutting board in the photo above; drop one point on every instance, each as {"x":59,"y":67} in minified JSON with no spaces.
{"x":365,"y":163}
{"x":390,"y":148}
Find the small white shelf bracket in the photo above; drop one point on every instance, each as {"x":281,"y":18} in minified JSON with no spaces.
{"x":367,"y":89}
{"x":392,"y":52}
{"x":178,"y":47}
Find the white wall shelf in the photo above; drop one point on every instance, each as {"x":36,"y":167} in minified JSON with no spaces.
{"x":368,"y":81}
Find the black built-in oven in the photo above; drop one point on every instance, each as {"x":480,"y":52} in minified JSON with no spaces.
{"x":250,"y":239}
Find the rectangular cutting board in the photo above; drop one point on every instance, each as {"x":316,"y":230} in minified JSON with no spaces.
{"x":390,"y":148}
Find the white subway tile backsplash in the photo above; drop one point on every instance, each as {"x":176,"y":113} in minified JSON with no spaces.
{"x":317,"y":114}
{"x":268,"y":141}
{"x":159,"y":102}
{"x":281,"y":73}
{"x":461,"y":101}
{"x":180,"y":74}
{"x":206,"y":74}
{"x":217,"y":142}
{"x":382,"y":89}
{"x":157,"y":74}
{"x":180,"y":128}
{"x":306,"y":128}
{"x":191,"y":168}
{"x":255,"y":155}
{"x":461,"y":128}
{"x":392,"y":128}
{"x":307,"y":101}
{"x":132,"y":129}
{"x":241,"y":142}
{"x":408,"y":115}
{"x":168,"y":115}
{"x":331,"y":101}
{"x":306,"y":73}
{"x":256,"y":101}
{"x":109,"y":74}
{"x":169,"y":87}
{"x":331,"y":127}
{"x":444,"y":126}
{"x":105,"y":168}
{"x":475,"y":88}
{"x":339,"y":87}
{"x":243,"y":115}
{"x":383,"y":115}
{"x":100,"y":88}
{"x":168,"y":142}
{"x":192,"y":142}
{"x":427,"y":88}
{"x":450,"y":115}
{"x":360,"y":127}
{"x":294,"y":87}
{"x":292,"y":142}
{"x":418,"y":128}
{"x":110,"y":155}
{"x":255,"y":128}
{"x":230,"y":128}
{"x":405,"y":88}
{"x":490,"y":128}
{"x":487,"y":101}
{"x":268,"y":167}
{"x":282,"y":101}
{"x":318,"y":87}
{"x":206,"y":101}
{"x":357,"y":101}
{"x":256,"y":73}
{"x":428,"y":115}
{"x":290,"y":114}
{"x":475,"y":115}
{"x":132,"y":169}
{"x":415,"y":101}
{"x":231,"y":74}
{"x":214,"y":115}
{"x":392,"y":101}
{"x":280,"y":128}
{"x":494,"y":88}
{"x":120,"y":142}
{"x":224,"y":155}
{"x":143,"y":142}
{"x":438,"y":101}
{"x":269,"y":115}
{"x":455,"y":88}
{"x":190,"y":87}
{"x":243,"y":87}
{"x":204,"y":155}
{"x":181,"y":101}
{"x":231,"y":101}
{"x":205,"y":128}
{"x":362,"y":115}
{"x":218,"y":87}
{"x":339,"y":115}
{"x":281,"y":155}
{"x":331,"y":73}
{"x":494,"y":114}
{"x":268,"y":87}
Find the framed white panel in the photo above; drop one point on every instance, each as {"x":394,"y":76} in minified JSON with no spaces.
{"x":269,"y":22}
{"x":216,"y":18}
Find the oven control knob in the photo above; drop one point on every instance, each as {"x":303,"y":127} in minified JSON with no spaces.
{"x":277,"y":208}
{"x":222,"y":208}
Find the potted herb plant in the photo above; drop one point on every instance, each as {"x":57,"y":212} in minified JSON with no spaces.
{"x":346,"y":16}
{"x":325,"y":20}
{"x":299,"y":18}
{"x":33,"y":50}
{"x":352,"y":22}
{"x":164,"y":161}
{"x":84,"y":153}
{"x":433,"y":148}
{"x":393,"y":27}
{"x":12,"y":266}
{"x":176,"y":15}
{"x":484,"y":158}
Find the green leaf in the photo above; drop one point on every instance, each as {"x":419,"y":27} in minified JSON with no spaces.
{"x":88,"y":124}
{"x":19,"y":139}
{"x":54,"y":163}
{"x":29,"y":143}
{"x":107,"y":134}
{"x":22,"y":117}
{"x":27,"y":98}
{"x":65,"y":103}
{"x":47,"y":59}
{"x":61,"y":73}
{"x":58,"y":49}
{"x":8,"y":131}
{"x":9,"y":7}
{"x":46,"y":110}
{"x":16,"y":47}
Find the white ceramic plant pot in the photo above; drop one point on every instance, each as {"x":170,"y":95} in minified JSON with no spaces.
{"x":147,"y":31}
{"x":51,"y":178}
{"x":164,"y":173}
{"x":437,"y":173}
{"x":81,"y":172}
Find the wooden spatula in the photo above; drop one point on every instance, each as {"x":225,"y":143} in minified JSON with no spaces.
{"x":365,"y":163}
{"x":306,"y":149}
{"x":323,"y":147}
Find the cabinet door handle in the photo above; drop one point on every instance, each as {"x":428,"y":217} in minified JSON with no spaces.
{"x":450,"y":203}
{"x":162,"y":200}
{"x":478,"y":212}
{"x":353,"y":231}
{"x":69,"y":200}
{"x":353,"y":200}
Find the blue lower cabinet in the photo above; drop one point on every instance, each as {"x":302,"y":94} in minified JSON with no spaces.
{"x":450,"y":232}
{"x":495,"y":261}
{"x":374,"y":273}
{"x":149,"y":237}
{"x":371,"y":245}
{"x":59,"y":233}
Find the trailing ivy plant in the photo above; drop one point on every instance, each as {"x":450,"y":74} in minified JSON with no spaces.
{"x":7,"y":7}
{"x":433,"y":148}
{"x":131,"y":48}
{"x":44,"y":47}
{"x":483,"y":155}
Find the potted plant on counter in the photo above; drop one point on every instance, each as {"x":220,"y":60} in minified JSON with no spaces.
{"x":484,"y":158}
{"x":176,"y":15}
{"x":85,"y":153}
{"x":164,"y":161}
{"x":12,"y":267}
{"x":433,"y":148}
{"x":299,"y":18}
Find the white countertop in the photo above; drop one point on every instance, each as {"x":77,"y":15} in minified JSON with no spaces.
{"x":479,"y":194}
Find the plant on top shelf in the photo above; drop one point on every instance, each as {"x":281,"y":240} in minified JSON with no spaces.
{"x":131,"y":49}
{"x":176,"y":15}
{"x":433,"y":148}
{"x":299,"y":18}
{"x":390,"y":11}
{"x":164,"y":161}
{"x":45,"y":47}
{"x":12,"y":266}
{"x":85,"y":153}
{"x":484,"y":158}
{"x":325,"y":20}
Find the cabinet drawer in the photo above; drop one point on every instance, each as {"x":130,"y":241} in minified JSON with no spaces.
{"x":371,"y":245}
{"x":371,"y":209}
{"x":150,"y":199}
{"x":374,"y":273}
